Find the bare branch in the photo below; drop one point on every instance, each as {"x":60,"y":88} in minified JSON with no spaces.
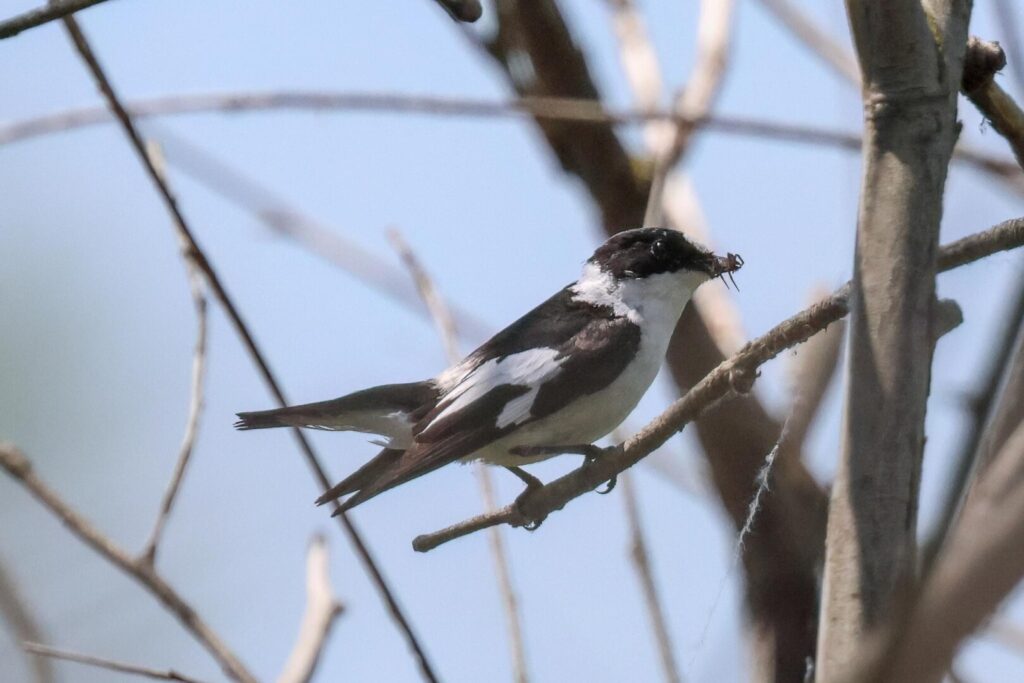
{"x":197,"y":289}
{"x":22,"y":624}
{"x":213,"y":280}
{"x":982,"y":61}
{"x":446,"y":329}
{"x":545,"y":108}
{"x":45,"y":653}
{"x":872,"y":517}
{"x":812,"y":371}
{"x":322,"y":609}
{"x":54,"y":9}
{"x":642,"y":564}
{"x":19,"y":468}
{"x":981,"y":563}
{"x":808,"y":32}
{"x":695,"y":100}
{"x":733,"y":377}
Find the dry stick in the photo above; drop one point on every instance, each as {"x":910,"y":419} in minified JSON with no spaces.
{"x":55,"y":9}
{"x":448,"y":332}
{"x":45,"y":653}
{"x":22,"y":624}
{"x":734,"y":376}
{"x":288,"y":220}
{"x":197,"y":289}
{"x":547,"y":108}
{"x":246,"y":336}
{"x":680,"y":203}
{"x":642,"y":563}
{"x":322,"y":610}
{"x":695,"y":100}
{"x":19,"y":467}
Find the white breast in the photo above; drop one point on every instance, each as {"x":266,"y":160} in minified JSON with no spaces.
{"x":655,"y":304}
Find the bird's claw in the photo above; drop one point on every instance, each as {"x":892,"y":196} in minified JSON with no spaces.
{"x":532,"y":524}
{"x":609,"y":485}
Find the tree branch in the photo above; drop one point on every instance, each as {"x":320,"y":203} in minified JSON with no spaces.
{"x":20,"y":469}
{"x":197,"y":289}
{"x":213,"y":280}
{"x":565,"y":109}
{"x":982,"y":61}
{"x":449,"y":338}
{"x":46,"y":653}
{"x":322,"y":610}
{"x":462,"y":10}
{"x":912,"y":59}
{"x":55,"y":9}
{"x":732,"y":377}
{"x":21,"y":624}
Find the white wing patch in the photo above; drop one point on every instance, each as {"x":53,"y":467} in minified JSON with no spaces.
{"x":530,"y":368}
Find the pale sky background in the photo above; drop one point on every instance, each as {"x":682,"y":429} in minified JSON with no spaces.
{"x":97,"y":330}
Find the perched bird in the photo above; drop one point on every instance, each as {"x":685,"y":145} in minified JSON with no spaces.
{"x":564,"y":375}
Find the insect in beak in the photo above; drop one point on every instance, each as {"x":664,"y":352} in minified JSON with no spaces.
{"x":726,"y":265}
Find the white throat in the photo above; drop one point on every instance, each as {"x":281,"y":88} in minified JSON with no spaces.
{"x":655,"y":302}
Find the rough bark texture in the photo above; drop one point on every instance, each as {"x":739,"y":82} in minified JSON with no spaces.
{"x":782,"y":555}
{"x":911,"y":57}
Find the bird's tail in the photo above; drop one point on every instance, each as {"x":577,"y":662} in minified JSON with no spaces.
{"x":378,"y":410}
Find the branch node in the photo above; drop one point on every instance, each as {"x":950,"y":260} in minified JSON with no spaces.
{"x":981,"y":62}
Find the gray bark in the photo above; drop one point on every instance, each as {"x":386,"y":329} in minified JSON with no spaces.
{"x":911,"y":58}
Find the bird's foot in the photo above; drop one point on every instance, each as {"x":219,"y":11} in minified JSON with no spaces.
{"x":533,"y":484}
{"x":589,"y":451}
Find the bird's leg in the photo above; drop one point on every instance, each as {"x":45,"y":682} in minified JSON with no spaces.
{"x":589,"y":451}
{"x":532,"y":484}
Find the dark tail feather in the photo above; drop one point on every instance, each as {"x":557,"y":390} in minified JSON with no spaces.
{"x":406,"y":398}
{"x":364,"y":476}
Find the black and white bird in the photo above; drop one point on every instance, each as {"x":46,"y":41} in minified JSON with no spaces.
{"x":564,"y":375}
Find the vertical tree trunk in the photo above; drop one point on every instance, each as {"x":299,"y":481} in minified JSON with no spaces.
{"x":911,"y":57}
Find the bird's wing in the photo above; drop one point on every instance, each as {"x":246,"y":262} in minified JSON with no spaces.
{"x":500,"y":394}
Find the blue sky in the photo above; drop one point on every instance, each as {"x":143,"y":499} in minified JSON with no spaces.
{"x":98,"y":331}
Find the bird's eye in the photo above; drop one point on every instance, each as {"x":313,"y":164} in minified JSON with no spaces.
{"x":660,"y":249}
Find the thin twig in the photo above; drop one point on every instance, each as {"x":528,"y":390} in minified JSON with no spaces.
{"x":22,"y":624}
{"x":448,"y":332}
{"x":734,"y":376}
{"x":289,"y":221}
{"x":642,"y":563}
{"x":546,"y":108}
{"x":695,"y":100}
{"x":839,"y":58}
{"x":322,"y":610}
{"x":680,"y":204}
{"x":45,"y":653}
{"x":197,"y":290}
{"x":55,"y":9}
{"x":20,"y":468}
{"x":247,"y":339}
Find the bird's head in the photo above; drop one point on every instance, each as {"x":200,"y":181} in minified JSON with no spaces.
{"x":640,"y":254}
